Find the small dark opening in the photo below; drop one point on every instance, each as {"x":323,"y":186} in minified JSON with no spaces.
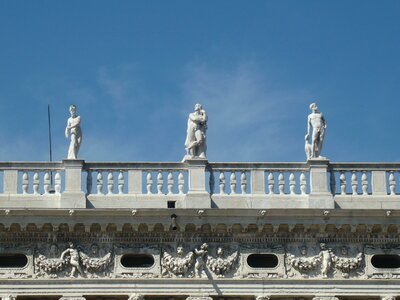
{"x":13,"y":260}
{"x":137,"y":260}
{"x":171,"y":204}
{"x":388,"y":261}
{"x":262,"y":260}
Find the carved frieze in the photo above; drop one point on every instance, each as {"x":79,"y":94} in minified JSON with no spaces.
{"x":179,"y":264}
{"x":221,"y":265}
{"x":73,"y":262}
{"x":325,"y":263}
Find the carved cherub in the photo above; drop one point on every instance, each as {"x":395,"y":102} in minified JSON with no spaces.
{"x":201,"y":257}
{"x":74,"y":260}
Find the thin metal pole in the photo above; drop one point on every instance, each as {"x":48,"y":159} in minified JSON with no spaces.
{"x":50,"y":148}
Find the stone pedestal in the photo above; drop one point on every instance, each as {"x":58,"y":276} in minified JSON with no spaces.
{"x":197,"y":195}
{"x":319,"y":197}
{"x":73,"y":196}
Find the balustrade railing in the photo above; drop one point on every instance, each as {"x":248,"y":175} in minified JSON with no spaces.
{"x":259,"y":178}
{"x":315,"y":180}
{"x":364,"y":179}
{"x":136,"y":178}
{"x":32,"y":178}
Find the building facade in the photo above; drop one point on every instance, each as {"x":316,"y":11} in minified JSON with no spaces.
{"x":198,"y":230}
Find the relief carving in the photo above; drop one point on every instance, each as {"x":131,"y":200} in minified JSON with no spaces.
{"x":324,"y":262}
{"x":220,"y":265}
{"x":79,"y":262}
{"x":177,"y":265}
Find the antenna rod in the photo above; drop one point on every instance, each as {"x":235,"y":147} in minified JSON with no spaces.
{"x":49,"y":120}
{"x":50,"y":148}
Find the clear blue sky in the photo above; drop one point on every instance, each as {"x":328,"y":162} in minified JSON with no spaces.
{"x":135,"y":69}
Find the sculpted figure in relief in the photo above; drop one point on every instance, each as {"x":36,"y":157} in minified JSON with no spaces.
{"x":326,"y":260}
{"x":317,"y":122}
{"x":201,"y":256}
{"x":195,"y":143}
{"x":73,"y":129}
{"x":74,"y":259}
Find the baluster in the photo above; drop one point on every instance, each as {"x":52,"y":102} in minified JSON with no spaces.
{"x":99,"y":182}
{"x":281,"y":183}
{"x":110,"y":182}
{"x":57,"y":183}
{"x":392,"y":183}
{"x":25,"y":183}
{"x":342,"y":183}
{"x":121,"y":182}
{"x":160,"y":182}
{"x":271,"y":182}
{"x":292,"y":184}
{"x":303,"y":183}
{"x":354,"y":183}
{"x":46,"y":183}
{"x":181,"y":183}
{"x":364,"y":182}
{"x":149,"y":180}
{"x":222,"y":183}
{"x":170,"y":180}
{"x":233,"y":182}
{"x":243,"y":181}
{"x":36,"y":183}
{"x":89,"y":182}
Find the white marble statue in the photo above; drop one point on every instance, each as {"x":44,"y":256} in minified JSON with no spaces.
{"x":73,"y":129}
{"x":195,"y":143}
{"x":317,"y":122}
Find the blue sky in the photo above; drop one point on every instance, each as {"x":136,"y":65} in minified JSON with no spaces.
{"x":135,"y":69}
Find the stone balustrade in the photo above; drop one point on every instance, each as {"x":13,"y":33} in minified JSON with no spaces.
{"x":199,"y":184}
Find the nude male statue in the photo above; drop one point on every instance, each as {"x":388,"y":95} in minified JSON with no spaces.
{"x":317,"y":122}
{"x":326,"y":260}
{"x":195,"y":143}
{"x":74,"y":259}
{"x":74,"y":129}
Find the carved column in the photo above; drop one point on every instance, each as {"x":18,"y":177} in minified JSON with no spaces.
{"x":325,"y":298}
